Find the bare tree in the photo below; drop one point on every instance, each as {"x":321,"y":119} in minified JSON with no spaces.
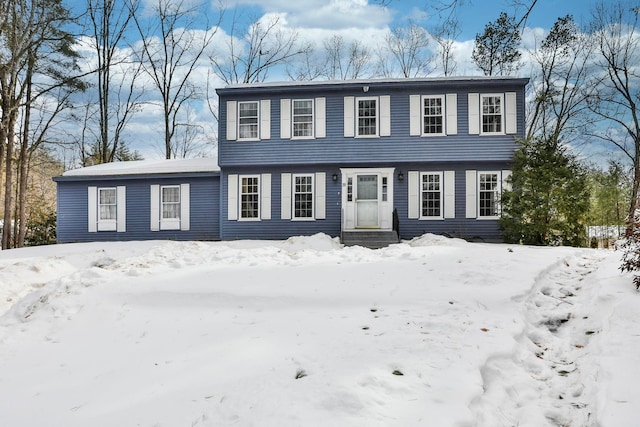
{"x":614,"y":31}
{"x":445,"y":35}
{"x":559,"y":108}
{"x":250,"y":55}
{"x":171,"y":52}
{"x":406,"y":52}
{"x":345,"y":61}
{"x":115,"y":74}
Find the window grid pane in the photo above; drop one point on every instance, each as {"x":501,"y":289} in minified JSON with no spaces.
{"x":303,"y":197}
{"x":107,"y":203}
{"x":249,"y":200}
{"x":170,"y":202}
{"x":488,"y":194}
{"x":433,"y":118}
{"x":491,"y":114}
{"x":302,"y":118}
{"x":431,"y":195}
{"x":248,"y":120}
{"x":367,"y":117}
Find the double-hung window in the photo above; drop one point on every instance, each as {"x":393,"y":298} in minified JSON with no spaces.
{"x":248,"y":120}
{"x":433,"y":115}
{"x":170,"y":207}
{"x":303,"y":197}
{"x":488,"y":194}
{"x":302,"y":118}
{"x":107,"y":205}
{"x":367,"y":117}
{"x":492,"y":114}
{"x":431,"y":194}
{"x":250,"y":197}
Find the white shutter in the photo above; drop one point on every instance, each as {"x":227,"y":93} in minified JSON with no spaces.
{"x":506,"y":186}
{"x":265,"y":196}
{"x":232,"y":125}
{"x":415,"y":115}
{"x":414,"y":195}
{"x":349,"y":118}
{"x":285,"y":118}
{"x":321,"y":184}
{"x":385,"y":115}
{"x":449,"y":194}
{"x":474,"y":114}
{"x":285,"y":196}
{"x":451,"y":105}
{"x":471,"y":191}
{"x":155,"y":208}
{"x":185,"y":210}
{"x":265,"y":119}
{"x":511,"y":124}
{"x":92,"y":205}
{"x":321,"y":117}
{"x":121,"y":209}
{"x":232,"y":197}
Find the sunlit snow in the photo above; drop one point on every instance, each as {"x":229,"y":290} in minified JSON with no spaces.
{"x":304,"y":332}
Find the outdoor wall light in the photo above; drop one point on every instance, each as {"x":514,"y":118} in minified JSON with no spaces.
{"x":365,"y":88}
{"x":334,"y":177}
{"x":400,"y":176}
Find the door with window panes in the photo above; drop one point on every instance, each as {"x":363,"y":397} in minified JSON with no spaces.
{"x":367,"y":198}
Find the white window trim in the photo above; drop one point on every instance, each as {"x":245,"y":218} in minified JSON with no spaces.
{"x":293,"y":196}
{"x":502,"y":113}
{"x":498,"y":193}
{"x":107,"y":224}
{"x":313,"y":119}
{"x":170,"y":223}
{"x":259,"y":216}
{"x":443,"y":114}
{"x":420,"y":193}
{"x":357,"y":117}
{"x":258,"y":124}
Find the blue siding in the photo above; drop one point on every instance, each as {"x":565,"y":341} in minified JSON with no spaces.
{"x":73,"y":209}
{"x":400,"y":146}
{"x":277,"y":228}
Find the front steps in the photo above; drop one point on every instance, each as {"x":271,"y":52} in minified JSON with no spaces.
{"x":372,"y":239}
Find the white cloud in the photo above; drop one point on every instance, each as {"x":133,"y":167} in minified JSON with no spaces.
{"x":334,"y":15}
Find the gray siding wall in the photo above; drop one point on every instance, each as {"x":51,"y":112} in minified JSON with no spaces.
{"x":399,"y":147}
{"x":72,"y":209}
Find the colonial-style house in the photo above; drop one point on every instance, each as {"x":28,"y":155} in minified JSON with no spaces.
{"x":368,"y":160}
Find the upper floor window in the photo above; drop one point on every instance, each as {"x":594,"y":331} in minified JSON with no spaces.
{"x":248,"y":120}
{"x":433,"y":115}
{"x":302,"y":118}
{"x":367,"y":117}
{"x":492,"y":113}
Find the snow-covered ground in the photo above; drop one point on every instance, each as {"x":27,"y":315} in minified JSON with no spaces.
{"x":432,"y":332}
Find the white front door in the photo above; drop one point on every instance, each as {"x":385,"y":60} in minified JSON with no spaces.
{"x":367,"y":198}
{"x":367,"y":201}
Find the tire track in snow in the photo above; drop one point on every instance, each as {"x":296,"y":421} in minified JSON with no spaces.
{"x":550,"y":377}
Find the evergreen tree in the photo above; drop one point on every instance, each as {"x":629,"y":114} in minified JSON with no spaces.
{"x":495,"y":51}
{"x":549,"y":199}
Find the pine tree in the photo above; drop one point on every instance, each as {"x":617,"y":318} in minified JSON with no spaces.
{"x":631,"y":249}
{"x":549,"y":199}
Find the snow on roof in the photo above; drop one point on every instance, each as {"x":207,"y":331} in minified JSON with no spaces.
{"x":139,"y":167}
